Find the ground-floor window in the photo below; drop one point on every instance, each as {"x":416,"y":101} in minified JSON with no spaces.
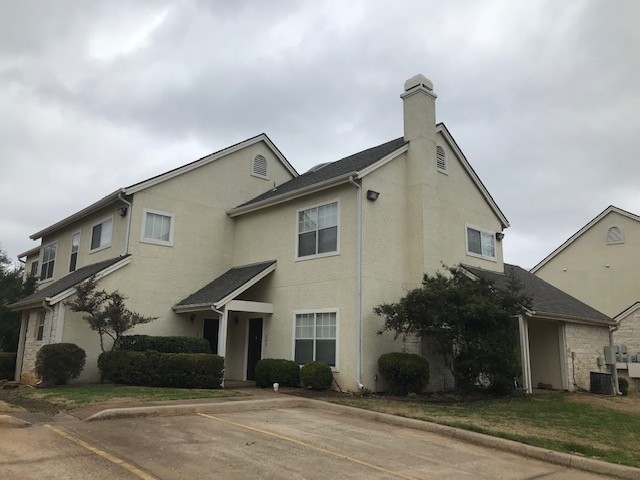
{"x":315,"y":337}
{"x":40,"y":327}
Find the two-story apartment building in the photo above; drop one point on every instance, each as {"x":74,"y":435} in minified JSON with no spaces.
{"x":238,"y":248}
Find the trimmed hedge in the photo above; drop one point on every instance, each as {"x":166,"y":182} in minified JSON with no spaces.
{"x":277,"y":370}
{"x":404,"y":372}
{"x":316,"y":375}
{"x":7,"y":365}
{"x":155,"y":369}
{"x":57,"y":363}
{"x":142,"y":343}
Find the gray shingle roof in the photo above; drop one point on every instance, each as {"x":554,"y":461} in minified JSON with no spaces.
{"x":546,"y":298}
{"x":69,"y":281}
{"x":352,"y":163}
{"x":226,"y":283}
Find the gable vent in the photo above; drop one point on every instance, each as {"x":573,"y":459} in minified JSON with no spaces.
{"x":614,"y":236}
{"x":259,"y":167}
{"x":441,"y":162}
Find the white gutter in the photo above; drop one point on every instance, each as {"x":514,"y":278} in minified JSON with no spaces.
{"x":222,"y":336}
{"x":128,"y":229}
{"x":358,"y":283}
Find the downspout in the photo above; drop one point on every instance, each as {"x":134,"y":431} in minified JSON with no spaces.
{"x":614,"y":367}
{"x":128,"y":229}
{"x":358,"y":283}
{"x":223,"y":327}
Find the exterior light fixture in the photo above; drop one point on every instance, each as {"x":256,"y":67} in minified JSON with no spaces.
{"x":499,"y":236}
{"x":372,"y":195}
{"x":122,"y":211}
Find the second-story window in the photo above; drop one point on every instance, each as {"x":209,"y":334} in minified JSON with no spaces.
{"x":157,"y":227}
{"x":48,"y":261}
{"x":34,"y":268}
{"x":481,"y":243}
{"x":101,"y":234}
{"x":318,"y":230}
{"x":75,"y":246}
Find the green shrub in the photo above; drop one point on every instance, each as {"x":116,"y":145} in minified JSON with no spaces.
{"x":7,"y":365}
{"x":142,"y":343}
{"x":316,"y":375}
{"x":623,"y":385}
{"x":57,"y":363}
{"x":404,"y":372}
{"x":155,"y":369}
{"x":277,"y":370}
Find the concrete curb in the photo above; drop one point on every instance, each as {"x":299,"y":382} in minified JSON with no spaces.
{"x":543,"y":454}
{"x":550,"y":456}
{"x":186,"y":409}
{"x":7,"y":421}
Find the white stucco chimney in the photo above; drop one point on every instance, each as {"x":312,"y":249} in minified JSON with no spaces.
{"x":419,"y":108}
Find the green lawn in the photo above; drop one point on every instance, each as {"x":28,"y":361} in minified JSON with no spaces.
{"x":606,"y":428}
{"x":76,"y":396}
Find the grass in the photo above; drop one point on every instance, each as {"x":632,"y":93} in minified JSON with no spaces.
{"x":605,"y":428}
{"x":67,"y":397}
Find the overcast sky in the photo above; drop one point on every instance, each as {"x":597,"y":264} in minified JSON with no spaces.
{"x":543,"y":97}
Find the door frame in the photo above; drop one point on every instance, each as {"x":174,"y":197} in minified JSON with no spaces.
{"x":246,"y":345}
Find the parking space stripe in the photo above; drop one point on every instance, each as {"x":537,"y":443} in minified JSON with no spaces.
{"x":113,"y":459}
{"x":312,"y":447}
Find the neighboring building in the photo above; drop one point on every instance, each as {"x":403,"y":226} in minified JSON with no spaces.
{"x":238,"y":248}
{"x":600,"y":265}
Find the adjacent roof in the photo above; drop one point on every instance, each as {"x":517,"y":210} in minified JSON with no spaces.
{"x":573,"y":237}
{"x":67,"y":282}
{"x":136,"y":187}
{"x":547,"y":300}
{"x":30,"y":252}
{"x":338,"y":170}
{"x":228,"y":285}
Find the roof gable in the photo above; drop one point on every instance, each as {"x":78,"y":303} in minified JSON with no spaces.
{"x":444,"y":131}
{"x":547,"y":300}
{"x":610,"y":209}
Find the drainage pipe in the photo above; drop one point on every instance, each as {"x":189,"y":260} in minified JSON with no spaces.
{"x":614,"y":367}
{"x":128,"y":229}
{"x":358,"y":282}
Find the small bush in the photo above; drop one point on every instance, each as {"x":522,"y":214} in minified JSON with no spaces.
{"x":277,"y":370}
{"x":143,"y":343}
{"x":155,"y":369}
{"x":7,"y":365}
{"x":623,"y":386}
{"x":58,"y":363}
{"x":404,"y":372}
{"x":316,"y":375}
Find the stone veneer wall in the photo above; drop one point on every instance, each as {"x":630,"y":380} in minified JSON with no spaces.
{"x":32,"y":346}
{"x":628,"y":332}
{"x":588,"y":342}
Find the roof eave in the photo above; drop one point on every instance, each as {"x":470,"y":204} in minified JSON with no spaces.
{"x":103,"y":202}
{"x":573,"y":318}
{"x":28,"y":253}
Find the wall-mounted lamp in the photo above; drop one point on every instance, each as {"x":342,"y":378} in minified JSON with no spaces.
{"x":499,"y":236}
{"x":192,"y":317}
{"x":122,"y":211}
{"x":372,"y":195}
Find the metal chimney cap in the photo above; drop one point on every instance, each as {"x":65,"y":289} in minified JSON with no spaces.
{"x":417,"y":81}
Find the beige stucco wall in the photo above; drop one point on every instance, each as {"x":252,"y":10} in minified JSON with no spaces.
{"x":587,"y":341}
{"x":544,"y":352}
{"x":603,"y":276}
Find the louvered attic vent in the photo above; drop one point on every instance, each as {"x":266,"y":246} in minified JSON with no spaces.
{"x":441,"y":162}
{"x":259,"y":168}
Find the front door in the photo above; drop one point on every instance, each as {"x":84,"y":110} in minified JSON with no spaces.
{"x":210,"y":333}
{"x":254,"y":347}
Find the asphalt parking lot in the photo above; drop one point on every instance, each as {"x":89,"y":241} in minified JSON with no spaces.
{"x":291,"y":443}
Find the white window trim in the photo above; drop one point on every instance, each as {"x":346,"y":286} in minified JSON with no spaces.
{"x":79,"y":233}
{"x":102,"y":247}
{"x":444,"y":170}
{"x":317,"y":255}
{"x":40,"y":260}
{"x":253,"y":174}
{"x":153,"y":241}
{"x":334,"y":369}
{"x":482,"y":230}
{"x":41,"y":316}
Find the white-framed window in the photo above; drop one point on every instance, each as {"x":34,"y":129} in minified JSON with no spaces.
{"x":40,"y":327}
{"x":260,"y":167}
{"x":48,"y":261}
{"x":441,"y":159}
{"x":34,"y":268}
{"x":75,"y":246}
{"x":101,"y":233}
{"x":317,"y":233}
{"x":157,"y":227}
{"x":615,"y":236}
{"x":481,"y":243}
{"x":316,"y":336}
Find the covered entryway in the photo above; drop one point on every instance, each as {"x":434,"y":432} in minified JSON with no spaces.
{"x":233,"y":327}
